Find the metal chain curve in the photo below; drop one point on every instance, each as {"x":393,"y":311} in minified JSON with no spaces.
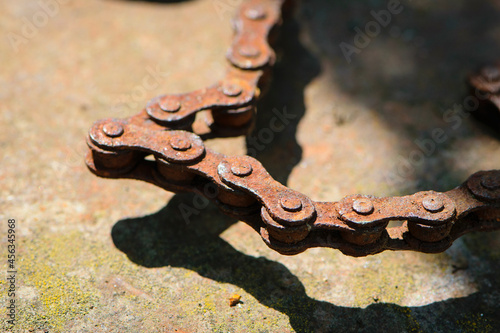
{"x":288,"y":221}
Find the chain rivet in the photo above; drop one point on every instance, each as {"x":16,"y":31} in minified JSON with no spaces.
{"x":491,"y":182}
{"x":363,"y":206}
{"x":255,"y":13}
{"x":170,"y":105}
{"x":433,"y":204}
{"x":249,"y":51}
{"x":113,"y":130}
{"x":241,"y":170}
{"x":180,"y":144}
{"x":292,"y":204}
{"x":231,"y":89}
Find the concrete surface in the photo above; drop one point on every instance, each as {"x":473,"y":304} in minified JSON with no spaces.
{"x":99,"y":255}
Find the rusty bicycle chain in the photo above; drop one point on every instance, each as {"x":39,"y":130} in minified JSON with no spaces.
{"x":485,"y":90}
{"x":288,"y":221}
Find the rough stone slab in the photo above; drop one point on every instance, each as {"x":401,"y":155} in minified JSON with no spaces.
{"x":99,"y":255}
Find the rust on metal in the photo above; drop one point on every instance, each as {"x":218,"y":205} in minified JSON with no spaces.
{"x":288,"y":221}
{"x":484,"y":87}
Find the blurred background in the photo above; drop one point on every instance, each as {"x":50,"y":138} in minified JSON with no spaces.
{"x":97,"y":255}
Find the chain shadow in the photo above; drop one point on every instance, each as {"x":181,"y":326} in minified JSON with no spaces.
{"x":165,"y":239}
{"x":411,"y":71}
{"x":273,"y":141}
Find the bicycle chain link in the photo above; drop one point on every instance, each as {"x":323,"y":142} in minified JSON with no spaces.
{"x":288,"y":221}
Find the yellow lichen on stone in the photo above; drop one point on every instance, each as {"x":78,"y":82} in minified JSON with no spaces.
{"x":375,"y":284}
{"x":412,"y":323}
{"x":474,"y":323}
{"x":46,"y":264}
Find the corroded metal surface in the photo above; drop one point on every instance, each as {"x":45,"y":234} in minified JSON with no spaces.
{"x":485,"y":85}
{"x":289,"y":222}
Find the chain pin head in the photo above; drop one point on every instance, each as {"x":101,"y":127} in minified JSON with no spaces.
{"x":433,"y":204}
{"x":491,"y":182}
{"x":249,"y":51}
{"x":292,"y":204}
{"x":180,"y":144}
{"x":231,"y":89}
{"x":363,"y":206}
{"x":113,"y":129}
{"x":170,"y":105}
{"x":241,"y":169}
{"x":255,"y":13}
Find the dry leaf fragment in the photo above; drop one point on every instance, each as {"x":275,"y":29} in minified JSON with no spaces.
{"x":234,"y":299}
